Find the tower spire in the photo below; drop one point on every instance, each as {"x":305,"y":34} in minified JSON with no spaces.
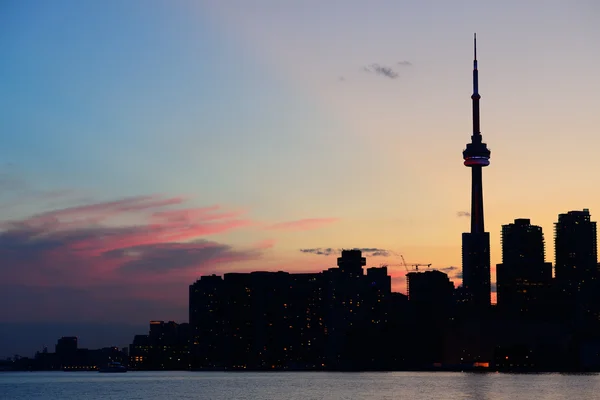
{"x":476,"y":129}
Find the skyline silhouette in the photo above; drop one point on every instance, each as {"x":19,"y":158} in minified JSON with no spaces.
{"x":263,"y":155}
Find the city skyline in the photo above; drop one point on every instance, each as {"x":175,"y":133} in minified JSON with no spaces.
{"x":307,"y":139}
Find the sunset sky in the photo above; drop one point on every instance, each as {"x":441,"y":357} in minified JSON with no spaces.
{"x":148,"y":142}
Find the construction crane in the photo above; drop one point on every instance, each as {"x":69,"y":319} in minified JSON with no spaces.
{"x":393,"y":265}
{"x":420,"y":265}
{"x":415,"y":265}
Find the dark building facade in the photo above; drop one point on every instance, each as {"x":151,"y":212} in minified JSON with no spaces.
{"x":66,"y":345}
{"x":278,"y":320}
{"x":165,"y":347}
{"x":476,"y":243}
{"x":576,"y":266}
{"x":524,"y":277}
{"x":430,"y":294}
{"x":432,"y":287}
{"x":258,"y":320}
{"x":576,"y":250}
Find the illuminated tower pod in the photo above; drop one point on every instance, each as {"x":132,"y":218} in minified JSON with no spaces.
{"x":476,"y":244}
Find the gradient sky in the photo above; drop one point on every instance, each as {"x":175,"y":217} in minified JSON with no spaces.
{"x":145,"y":143}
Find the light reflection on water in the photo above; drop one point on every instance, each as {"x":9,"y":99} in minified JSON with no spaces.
{"x":295,"y":386}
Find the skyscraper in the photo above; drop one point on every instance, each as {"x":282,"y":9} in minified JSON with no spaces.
{"x":524,"y":277}
{"x":476,"y":244}
{"x":352,"y":262}
{"x":432,"y":287}
{"x":576,"y":250}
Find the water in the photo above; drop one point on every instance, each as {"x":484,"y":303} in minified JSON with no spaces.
{"x":294,"y":386}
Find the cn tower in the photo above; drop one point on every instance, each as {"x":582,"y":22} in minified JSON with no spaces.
{"x":476,"y":244}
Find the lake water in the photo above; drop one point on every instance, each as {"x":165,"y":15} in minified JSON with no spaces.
{"x":294,"y":386}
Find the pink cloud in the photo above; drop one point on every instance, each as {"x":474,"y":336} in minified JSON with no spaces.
{"x":303,"y":224}
{"x":265,"y":244}
{"x":85,"y":245}
{"x":142,"y":251}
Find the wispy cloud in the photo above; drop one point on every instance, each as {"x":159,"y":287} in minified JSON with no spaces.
{"x":163,"y":258}
{"x":463,"y":214}
{"x":448,"y":269}
{"x":405,"y":63}
{"x":376,"y":252}
{"x":15,"y":192}
{"x":79,"y":244}
{"x":381,"y":70}
{"x":367,"y":251}
{"x":321,"y":251}
{"x":453,"y":272}
{"x":303,"y":224}
{"x":160,"y":249}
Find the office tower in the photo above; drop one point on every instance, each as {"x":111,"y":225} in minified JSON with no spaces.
{"x":476,"y":244}
{"x":430,"y":295}
{"x":207,"y":320}
{"x":352,"y":262}
{"x":576,"y":251}
{"x":523,"y":279}
{"x":431,"y":287}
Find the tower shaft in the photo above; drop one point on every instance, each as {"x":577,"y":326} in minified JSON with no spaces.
{"x":477,"y":224}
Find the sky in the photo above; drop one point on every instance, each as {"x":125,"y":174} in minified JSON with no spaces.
{"x":146,"y":143}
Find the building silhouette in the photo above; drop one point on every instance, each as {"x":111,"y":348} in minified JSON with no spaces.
{"x":278,"y":320}
{"x":139,"y":353}
{"x":429,"y":287}
{"x":476,"y":244}
{"x":165,"y":347}
{"x":575,"y":244}
{"x":430,"y":294}
{"x":576,"y":266}
{"x":66,"y":345}
{"x":524,"y":277}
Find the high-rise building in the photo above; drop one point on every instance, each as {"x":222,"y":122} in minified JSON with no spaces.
{"x":166,"y":347}
{"x":432,"y":287}
{"x":576,"y":252}
{"x":352,"y":262}
{"x":275,"y":320}
{"x":207,"y":320}
{"x":430,"y":294}
{"x":476,"y":244}
{"x":524,"y":277}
